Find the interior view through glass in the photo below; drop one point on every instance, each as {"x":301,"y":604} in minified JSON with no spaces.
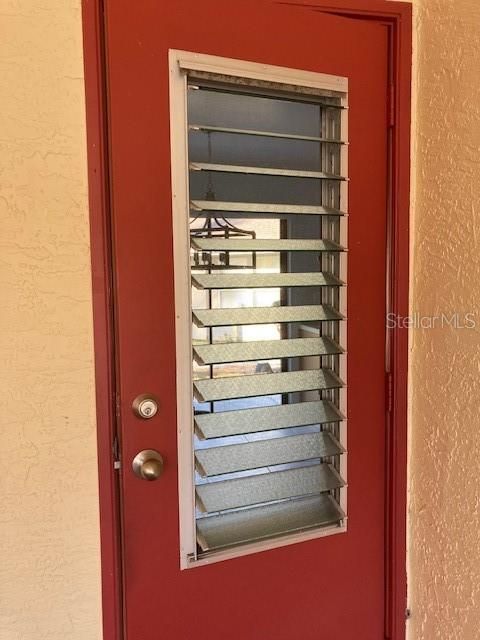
{"x":268,"y":310}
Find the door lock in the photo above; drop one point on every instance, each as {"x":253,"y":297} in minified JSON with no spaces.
{"x":145,"y":406}
{"x":148,"y":465}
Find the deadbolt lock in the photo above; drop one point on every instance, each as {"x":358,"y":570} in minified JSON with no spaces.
{"x":148,"y":465}
{"x":145,"y":406}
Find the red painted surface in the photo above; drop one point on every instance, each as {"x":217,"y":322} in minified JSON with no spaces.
{"x":328,"y":588}
{"x":99,"y":203}
{"x":397,"y":362}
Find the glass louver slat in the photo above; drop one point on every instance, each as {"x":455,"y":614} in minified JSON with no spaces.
{"x":251,"y":525}
{"x":264,"y":350}
{"x":265,"y":384}
{"x":243,"y":421}
{"x":263,"y":276}
{"x":266,"y":134}
{"x":264,"y":315}
{"x":267,"y":487}
{"x":263,"y":207}
{"x":265,"y":453}
{"x":264,"y":280}
{"x":232,"y":244}
{"x":267,"y":171}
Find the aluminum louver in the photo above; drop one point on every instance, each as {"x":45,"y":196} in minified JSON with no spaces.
{"x":267,"y":183}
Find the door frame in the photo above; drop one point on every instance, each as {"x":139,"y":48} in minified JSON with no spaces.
{"x":397,"y":16}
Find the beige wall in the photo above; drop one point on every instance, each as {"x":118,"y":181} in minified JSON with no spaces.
{"x":445,"y":370}
{"x":49,"y":552}
{"x":49,"y":546}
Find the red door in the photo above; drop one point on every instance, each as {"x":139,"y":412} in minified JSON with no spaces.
{"x":326,"y":586}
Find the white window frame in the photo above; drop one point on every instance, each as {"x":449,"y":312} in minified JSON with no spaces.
{"x":180,"y":63}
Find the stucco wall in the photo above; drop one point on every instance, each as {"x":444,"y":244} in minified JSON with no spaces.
{"x":49,"y":535}
{"x":49,"y":545}
{"x":445,"y":363}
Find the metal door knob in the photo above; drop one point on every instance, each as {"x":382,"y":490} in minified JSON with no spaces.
{"x":148,"y":465}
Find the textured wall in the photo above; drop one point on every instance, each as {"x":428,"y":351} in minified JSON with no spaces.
{"x":49,"y":536}
{"x":445,"y":369}
{"x":49,"y":555}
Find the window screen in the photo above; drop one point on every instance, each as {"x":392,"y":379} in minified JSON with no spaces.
{"x":267,"y":269}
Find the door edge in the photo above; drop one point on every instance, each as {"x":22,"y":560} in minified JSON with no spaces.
{"x":95,"y":75}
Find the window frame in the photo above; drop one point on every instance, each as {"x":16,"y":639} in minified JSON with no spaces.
{"x":180,"y":64}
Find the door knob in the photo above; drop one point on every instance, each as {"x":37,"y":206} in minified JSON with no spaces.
{"x":148,"y":465}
